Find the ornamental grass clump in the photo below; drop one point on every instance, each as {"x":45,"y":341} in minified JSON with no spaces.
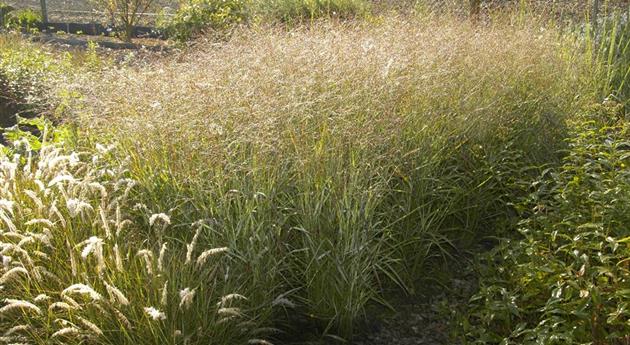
{"x":69,"y":271}
{"x":335,"y":161}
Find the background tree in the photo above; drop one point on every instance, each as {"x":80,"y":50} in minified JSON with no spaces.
{"x":124,"y":14}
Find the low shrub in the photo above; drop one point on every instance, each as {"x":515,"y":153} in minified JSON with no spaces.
{"x":566,"y":280}
{"x":4,"y":12}
{"x":23,"y":19}
{"x":197,"y":16}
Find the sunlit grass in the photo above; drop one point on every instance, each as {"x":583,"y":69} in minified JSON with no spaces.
{"x":285,"y":177}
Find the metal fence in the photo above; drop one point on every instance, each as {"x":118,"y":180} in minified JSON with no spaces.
{"x":84,"y":11}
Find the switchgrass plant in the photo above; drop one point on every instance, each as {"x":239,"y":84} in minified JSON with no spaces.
{"x":609,"y":45}
{"x":337,"y":161}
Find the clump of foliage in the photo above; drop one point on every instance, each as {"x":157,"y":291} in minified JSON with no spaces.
{"x":27,"y":71}
{"x":197,"y":16}
{"x":335,"y":162}
{"x":290,"y":11}
{"x":23,"y":19}
{"x":76,"y":267}
{"x":4,"y":11}
{"x":566,"y":280}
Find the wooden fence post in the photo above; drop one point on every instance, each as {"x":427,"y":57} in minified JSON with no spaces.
{"x":44,"y":11}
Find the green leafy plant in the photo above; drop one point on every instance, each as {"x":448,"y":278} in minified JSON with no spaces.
{"x":23,"y":19}
{"x":197,"y":16}
{"x":4,"y":12}
{"x":567,"y":279}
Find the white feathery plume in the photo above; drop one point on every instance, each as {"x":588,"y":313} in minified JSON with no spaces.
{"x":42,"y":221}
{"x":73,"y":264}
{"x":122,"y":318}
{"x":76,"y":207}
{"x":191,"y":247}
{"x":6,"y":261}
{"x":148,"y":259}
{"x":12,"y":274}
{"x":186,"y":297}
{"x":66,"y":332}
{"x":33,"y":196}
{"x":81,"y":289}
{"x":118,"y":258}
{"x":40,"y":272}
{"x":41,"y":298}
{"x":7,"y":221}
{"x":60,"y":179}
{"x":203,"y":257}
{"x":231,"y":297}
{"x":53,"y":210}
{"x":283,"y":302}
{"x":90,"y":326}
{"x":40,"y":185}
{"x":94,"y":245}
{"x":7,"y":205}
{"x":115,"y":295}
{"x":258,"y":342}
{"x":102,"y":190}
{"x":62,"y":306}
{"x":163,"y":217}
{"x":155,"y":314}
{"x":229,"y":311}
{"x":161,"y":258}
{"x":16,"y":329}
{"x":13,"y":304}
{"x":26,"y":240}
{"x":105,"y":222}
{"x":71,"y":301}
{"x":164,"y":299}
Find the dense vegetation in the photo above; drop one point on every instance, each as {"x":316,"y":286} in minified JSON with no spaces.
{"x":272,"y":186}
